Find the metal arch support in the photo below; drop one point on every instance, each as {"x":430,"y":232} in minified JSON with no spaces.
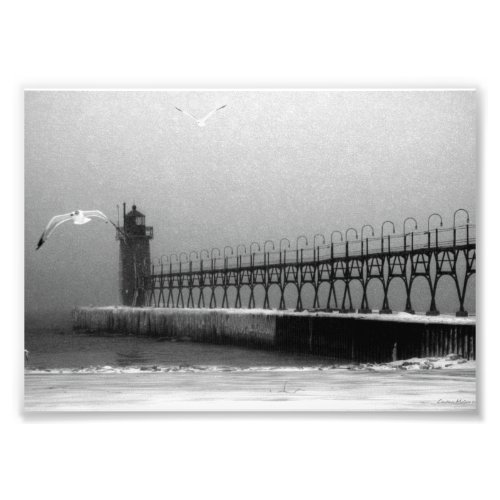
{"x":287,"y":240}
{"x":336,"y":232}
{"x":429,"y":221}
{"x":455,"y":216}
{"x":167,"y":287}
{"x":252,"y":244}
{"x":301,"y":237}
{"x":351,"y":229}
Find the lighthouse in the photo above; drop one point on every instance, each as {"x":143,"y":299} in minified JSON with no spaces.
{"x":135,"y":256}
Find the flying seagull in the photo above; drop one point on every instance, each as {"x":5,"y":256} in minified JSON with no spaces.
{"x":201,"y":122}
{"x":78,"y":217}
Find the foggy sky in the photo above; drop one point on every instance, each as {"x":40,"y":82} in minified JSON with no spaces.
{"x":270,"y":165}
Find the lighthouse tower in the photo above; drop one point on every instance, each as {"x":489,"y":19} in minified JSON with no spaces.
{"x":135,"y":255}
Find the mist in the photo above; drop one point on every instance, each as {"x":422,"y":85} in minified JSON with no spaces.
{"x":271,"y":164}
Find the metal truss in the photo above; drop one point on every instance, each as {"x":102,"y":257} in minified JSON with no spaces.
{"x":431,"y":255}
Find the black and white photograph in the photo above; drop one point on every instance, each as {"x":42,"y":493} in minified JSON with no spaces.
{"x":250,"y":250}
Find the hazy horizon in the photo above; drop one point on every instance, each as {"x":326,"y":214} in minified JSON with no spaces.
{"x":271,"y":164}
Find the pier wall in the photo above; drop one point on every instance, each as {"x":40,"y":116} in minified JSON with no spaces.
{"x":350,"y":337}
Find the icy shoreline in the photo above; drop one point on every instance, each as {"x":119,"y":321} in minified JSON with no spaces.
{"x":450,"y":362}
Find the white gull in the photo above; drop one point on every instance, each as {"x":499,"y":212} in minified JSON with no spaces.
{"x":78,"y":217}
{"x":201,"y":122}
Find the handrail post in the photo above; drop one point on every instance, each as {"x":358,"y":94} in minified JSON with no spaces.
{"x":454,"y":236}
{"x":389,"y":243}
{"x":436,"y":237}
{"x":467,"y":227}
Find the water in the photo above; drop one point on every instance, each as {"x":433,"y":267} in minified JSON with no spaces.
{"x":61,"y":348}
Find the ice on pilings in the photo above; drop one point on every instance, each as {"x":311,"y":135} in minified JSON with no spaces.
{"x":374,"y":316}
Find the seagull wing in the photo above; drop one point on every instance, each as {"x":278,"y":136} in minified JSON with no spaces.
{"x":53,"y":223}
{"x":101,"y":215}
{"x":186,"y":113}
{"x":95,"y":213}
{"x":211,"y":113}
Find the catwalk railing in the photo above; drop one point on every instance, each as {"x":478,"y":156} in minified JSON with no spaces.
{"x":181,"y":281}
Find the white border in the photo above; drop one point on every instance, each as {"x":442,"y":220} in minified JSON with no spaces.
{"x":194,"y":89}
{"x":270,"y":44}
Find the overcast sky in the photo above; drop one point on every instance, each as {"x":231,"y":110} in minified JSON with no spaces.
{"x":269,"y":165}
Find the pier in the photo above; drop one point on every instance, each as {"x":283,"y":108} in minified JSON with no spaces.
{"x":224,"y":296}
{"x":328,"y":272}
{"x":349,"y":337}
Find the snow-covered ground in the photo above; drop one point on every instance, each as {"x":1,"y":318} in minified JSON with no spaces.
{"x":430,"y":384}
